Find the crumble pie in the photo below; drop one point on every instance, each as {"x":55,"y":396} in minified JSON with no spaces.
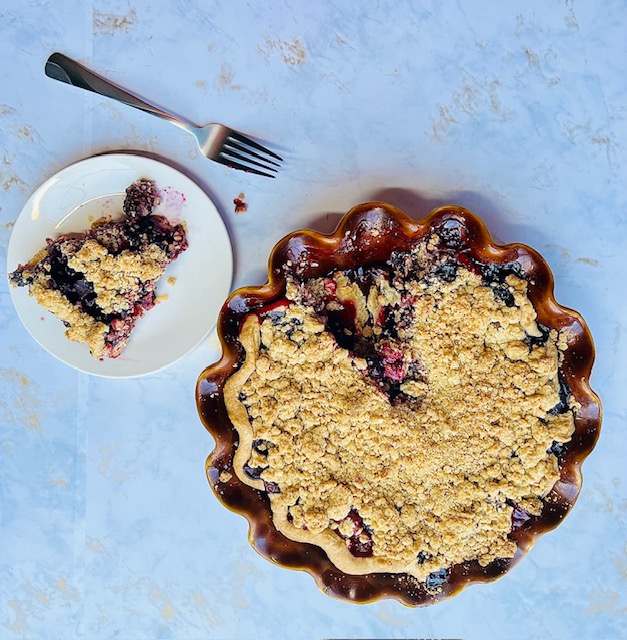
{"x":406,"y":416}
{"x":100,"y":282}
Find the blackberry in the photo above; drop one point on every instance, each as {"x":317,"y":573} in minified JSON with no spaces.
{"x":141,"y":198}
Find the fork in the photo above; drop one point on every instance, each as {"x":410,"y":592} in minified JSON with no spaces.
{"x":216,"y":141}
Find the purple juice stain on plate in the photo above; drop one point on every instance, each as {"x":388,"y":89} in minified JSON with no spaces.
{"x":172,"y":201}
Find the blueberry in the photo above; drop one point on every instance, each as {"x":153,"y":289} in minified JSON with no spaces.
{"x":276,"y":316}
{"x":390,"y":326}
{"x":541,"y":340}
{"x":261,"y":446}
{"x":446,"y":272}
{"x":519,"y":518}
{"x":502,"y":293}
{"x":451,"y":233}
{"x":556,"y":449}
{"x":499,"y":272}
{"x":436,"y":579}
{"x":254,"y":473}
{"x":564,"y":395}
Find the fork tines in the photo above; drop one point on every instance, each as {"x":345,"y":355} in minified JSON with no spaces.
{"x":238,"y":149}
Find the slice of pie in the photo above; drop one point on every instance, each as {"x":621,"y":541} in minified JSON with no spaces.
{"x":100,"y":282}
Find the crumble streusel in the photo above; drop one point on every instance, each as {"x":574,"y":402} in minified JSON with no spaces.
{"x":405,"y":416}
{"x":98,"y":283}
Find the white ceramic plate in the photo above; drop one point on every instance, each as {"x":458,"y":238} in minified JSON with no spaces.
{"x":193,"y":288}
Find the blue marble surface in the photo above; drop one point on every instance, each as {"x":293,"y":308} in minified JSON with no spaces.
{"x":108,"y":528}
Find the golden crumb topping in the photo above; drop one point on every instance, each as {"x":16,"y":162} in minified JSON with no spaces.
{"x":81,"y":327}
{"x":417,"y":485}
{"x":115,"y":276}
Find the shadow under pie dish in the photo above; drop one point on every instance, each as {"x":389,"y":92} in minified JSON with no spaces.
{"x":403,"y":408}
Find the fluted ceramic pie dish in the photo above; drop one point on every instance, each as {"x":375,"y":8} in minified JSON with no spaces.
{"x":368,"y":522}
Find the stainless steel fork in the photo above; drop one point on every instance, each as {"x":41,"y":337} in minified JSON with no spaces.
{"x":216,"y":141}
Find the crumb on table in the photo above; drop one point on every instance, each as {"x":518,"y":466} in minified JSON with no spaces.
{"x":240,"y":205}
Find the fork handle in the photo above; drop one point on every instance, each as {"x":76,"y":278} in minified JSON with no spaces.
{"x":60,"y":67}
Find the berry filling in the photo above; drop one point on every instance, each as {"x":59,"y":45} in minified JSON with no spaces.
{"x":564,"y":395}
{"x":356,"y":534}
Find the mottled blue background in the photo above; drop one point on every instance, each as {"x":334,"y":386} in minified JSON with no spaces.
{"x":108,"y":528}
